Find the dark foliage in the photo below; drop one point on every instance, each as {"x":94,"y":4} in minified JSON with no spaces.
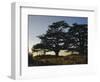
{"x":78,"y":38}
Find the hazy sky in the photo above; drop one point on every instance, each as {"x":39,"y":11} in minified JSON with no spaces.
{"x":38,"y":25}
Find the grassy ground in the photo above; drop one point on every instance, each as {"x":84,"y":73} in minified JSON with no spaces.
{"x":57,"y":60}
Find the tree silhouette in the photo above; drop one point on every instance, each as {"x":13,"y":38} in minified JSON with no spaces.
{"x":78,"y":38}
{"x":55,"y":37}
{"x":61,"y":36}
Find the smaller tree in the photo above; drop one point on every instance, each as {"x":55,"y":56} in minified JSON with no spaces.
{"x":39,"y":47}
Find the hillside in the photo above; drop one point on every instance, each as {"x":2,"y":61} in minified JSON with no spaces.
{"x":43,"y":60}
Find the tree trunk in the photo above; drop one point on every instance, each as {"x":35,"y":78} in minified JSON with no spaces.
{"x":57,"y":53}
{"x":72,"y":52}
{"x":44,"y":52}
